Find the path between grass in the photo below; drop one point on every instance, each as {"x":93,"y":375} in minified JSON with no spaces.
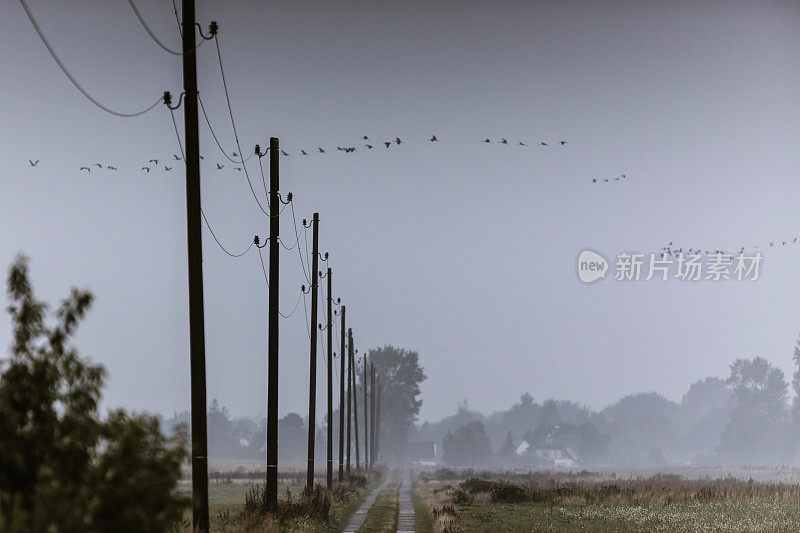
{"x":357,"y":519}
{"x":405,"y":516}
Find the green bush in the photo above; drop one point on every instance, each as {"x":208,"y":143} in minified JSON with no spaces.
{"x":62,"y":467}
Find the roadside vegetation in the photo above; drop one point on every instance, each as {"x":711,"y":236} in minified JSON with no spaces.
{"x":586,"y":501}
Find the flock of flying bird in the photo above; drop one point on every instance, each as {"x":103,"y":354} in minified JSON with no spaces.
{"x":672,"y":250}
{"x":153,"y":164}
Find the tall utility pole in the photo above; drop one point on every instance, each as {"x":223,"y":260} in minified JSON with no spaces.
{"x":329,"y":329}
{"x":372,"y":412}
{"x":349,"y":392}
{"x":312,"y":389}
{"x":355,"y":390}
{"x":342,"y":360}
{"x":272,"y":349}
{"x":366,"y":416}
{"x":378,"y":420}
{"x":197,"y":341}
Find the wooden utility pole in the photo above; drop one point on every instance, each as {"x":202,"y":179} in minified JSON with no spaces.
{"x":329,"y":329}
{"x":312,"y":389}
{"x":355,"y":390}
{"x":342,"y":362}
{"x":349,"y":357}
{"x":197,"y":342}
{"x":372,"y":410}
{"x":378,"y":421}
{"x":271,"y":499}
{"x":366,"y":417}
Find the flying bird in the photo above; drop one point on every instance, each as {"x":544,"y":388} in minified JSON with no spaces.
{"x":543,"y":143}
{"x":303,"y":152}
{"x":522,"y":144}
{"x":238,"y":168}
{"x":340,"y":148}
{"x":33,"y":163}
{"x":145,"y":169}
{"x":433,"y":139}
{"x":594,"y":180}
{"x":109,"y":167}
{"x":365,"y":138}
{"x":284,"y":153}
{"x":487,"y":141}
{"x":98,"y":165}
{"x":87,"y":169}
{"x":503,"y":141}
{"x":154,"y":161}
{"x":320,"y":150}
{"x":562,"y":142}
{"x":387,"y":144}
{"x":369,"y":146}
{"x":397,"y":140}
{"x":350,"y":150}
{"x":234,"y":154}
{"x":177,"y":158}
{"x":219,"y":167}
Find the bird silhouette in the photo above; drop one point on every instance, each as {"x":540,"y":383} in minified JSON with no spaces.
{"x":594,"y":180}
{"x":433,"y":139}
{"x":303,"y":152}
{"x":387,"y":144}
{"x":109,"y":167}
{"x":369,"y":146}
{"x":543,"y":143}
{"x":605,"y":180}
{"x":219,"y":167}
{"x":154,"y":161}
{"x":98,"y":165}
{"x":234,"y":154}
{"x":87,"y":169}
{"x":167,"y":168}
{"x":503,"y":141}
{"x":562,"y":142}
{"x":397,"y":140}
{"x":201,"y":157}
{"x":147,"y":169}
{"x":320,"y":150}
{"x":365,"y":138}
{"x":522,"y":144}
{"x":487,"y":141}
{"x":284,"y":153}
{"x":238,"y":168}
{"x":624,"y":175}
{"x":350,"y":150}
{"x":177,"y":158}
{"x":340,"y":148}
{"x":33,"y":163}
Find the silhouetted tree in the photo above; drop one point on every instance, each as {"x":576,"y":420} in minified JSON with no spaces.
{"x":467,"y":445}
{"x":63,"y":468}
{"x":508,"y":445}
{"x":400,"y":375}
{"x":756,"y":432}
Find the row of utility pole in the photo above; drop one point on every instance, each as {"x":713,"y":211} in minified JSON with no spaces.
{"x":371,"y":413}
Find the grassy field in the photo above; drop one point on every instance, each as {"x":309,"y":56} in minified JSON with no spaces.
{"x":600,"y":502}
{"x":227,"y":498}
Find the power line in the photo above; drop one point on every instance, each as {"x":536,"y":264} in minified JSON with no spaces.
{"x":69,"y":75}
{"x":220,"y":244}
{"x":216,"y":139}
{"x":153,"y":35}
{"x":233,"y":123}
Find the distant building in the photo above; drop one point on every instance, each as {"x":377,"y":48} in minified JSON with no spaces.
{"x":546,"y":452}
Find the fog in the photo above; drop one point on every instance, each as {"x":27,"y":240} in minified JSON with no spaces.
{"x":463,"y":251}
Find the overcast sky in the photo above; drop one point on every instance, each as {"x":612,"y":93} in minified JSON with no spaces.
{"x":461,"y":250}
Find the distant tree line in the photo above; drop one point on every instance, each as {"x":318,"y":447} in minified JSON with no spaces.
{"x":746,"y":418}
